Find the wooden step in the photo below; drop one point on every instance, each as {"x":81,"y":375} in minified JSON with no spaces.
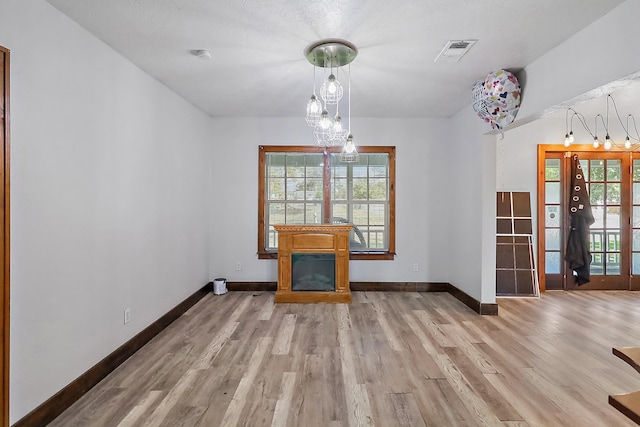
{"x":631,"y":355}
{"x":628,"y":404}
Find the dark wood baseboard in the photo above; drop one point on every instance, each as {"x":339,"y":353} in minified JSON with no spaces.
{"x":489,"y":309}
{"x":399,"y":286}
{"x":483,"y":308}
{"x":59,"y":402}
{"x":252,"y":286}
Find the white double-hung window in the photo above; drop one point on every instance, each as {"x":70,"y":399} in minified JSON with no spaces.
{"x":310,"y":185}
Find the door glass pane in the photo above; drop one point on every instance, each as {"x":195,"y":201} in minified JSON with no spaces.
{"x":552,"y":170}
{"x":553,"y":173}
{"x":613,"y":194}
{"x":597,"y":264}
{"x":596,"y":241}
{"x":613,"y":264}
{"x":597,"y":170}
{"x":552,"y":193}
{"x":552,"y":263}
{"x":636,"y":240}
{"x":613,"y":217}
{"x":585,"y":169}
{"x":636,"y":193}
{"x":636,"y":170}
{"x":613,"y":241}
{"x":636,"y":263}
{"x":613,"y":170}
{"x":598,"y":215}
{"x":636,"y":216}
{"x":552,"y":239}
{"x":552,"y":217}
{"x":596,"y":194}
{"x":635,"y":222}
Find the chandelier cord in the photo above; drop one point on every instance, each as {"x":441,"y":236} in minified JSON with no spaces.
{"x":314,"y":82}
{"x":626,"y":129}
{"x":338,"y":103}
{"x":324,"y":78}
{"x":603,"y":124}
{"x":582,"y":120}
{"x":349,"y":97}
{"x":634,"y":126}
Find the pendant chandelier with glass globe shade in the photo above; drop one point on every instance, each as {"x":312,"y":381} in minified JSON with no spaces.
{"x":323,"y":111}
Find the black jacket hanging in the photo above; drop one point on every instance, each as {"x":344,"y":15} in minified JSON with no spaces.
{"x":577,"y":254}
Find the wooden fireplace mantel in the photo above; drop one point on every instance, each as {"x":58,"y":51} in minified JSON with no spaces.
{"x":313,"y":239}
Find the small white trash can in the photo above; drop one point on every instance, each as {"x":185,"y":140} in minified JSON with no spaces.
{"x":220,"y":286}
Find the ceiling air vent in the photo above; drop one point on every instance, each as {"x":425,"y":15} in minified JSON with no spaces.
{"x":454,"y":50}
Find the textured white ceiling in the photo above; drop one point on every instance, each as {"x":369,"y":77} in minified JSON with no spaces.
{"x":258,"y":68}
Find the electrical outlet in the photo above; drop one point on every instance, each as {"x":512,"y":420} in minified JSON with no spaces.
{"x":127,"y":315}
{"x":415,"y":267}
{"x":238,"y":266}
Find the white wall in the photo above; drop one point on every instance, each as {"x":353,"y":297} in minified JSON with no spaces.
{"x":110,"y":193}
{"x":472,"y":254}
{"x":422,"y":201}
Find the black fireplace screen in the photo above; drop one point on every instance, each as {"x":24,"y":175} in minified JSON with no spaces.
{"x":313,"y":272}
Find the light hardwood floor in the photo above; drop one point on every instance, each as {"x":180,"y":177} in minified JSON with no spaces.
{"x":387,"y":359}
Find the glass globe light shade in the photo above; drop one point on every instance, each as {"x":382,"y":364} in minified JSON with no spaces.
{"x":337,"y":125}
{"x":349,"y":153}
{"x":322,"y":137}
{"x":331,"y":90}
{"x":324,"y":123}
{"x":323,"y":130}
{"x":338,"y":133}
{"x":314,"y":109}
{"x":349,"y":147}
